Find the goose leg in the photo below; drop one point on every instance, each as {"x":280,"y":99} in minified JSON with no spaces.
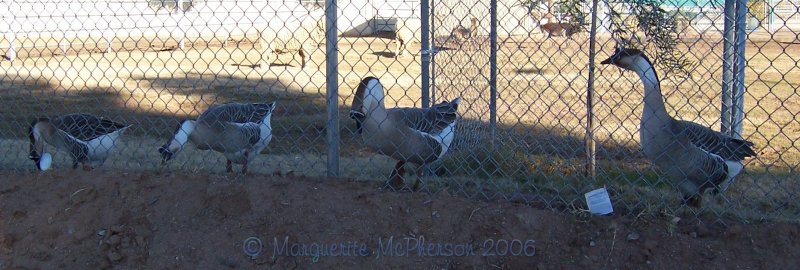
{"x":228,"y":166}
{"x":400,"y":48}
{"x":302,"y":54}
{"x":246,"y":160}
{"x":74,"y":164}
{"x":396,"y":178}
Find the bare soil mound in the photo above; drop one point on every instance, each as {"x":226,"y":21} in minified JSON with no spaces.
{"x":138,"y":220}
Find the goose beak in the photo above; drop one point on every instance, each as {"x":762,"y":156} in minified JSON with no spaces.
{"x":44,"y":162}
{"x":166,"y":155}
{"x":272,"y":106}
{"x":359,"y":117}
{"x":607,"y":61}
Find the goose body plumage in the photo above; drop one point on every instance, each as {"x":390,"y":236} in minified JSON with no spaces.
{"x":416,"y":135}
{"x":89,"y":139}
{"x":238,"y":131}
{"x":696,"y":158}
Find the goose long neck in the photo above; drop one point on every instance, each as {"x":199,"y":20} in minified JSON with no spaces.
{"x":374,"y":100}
{"x":44,"y":130}
{"x":653,"y":99}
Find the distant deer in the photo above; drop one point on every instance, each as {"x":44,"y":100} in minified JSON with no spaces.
{"x":462,"y":34}
{"x":561,"y":29}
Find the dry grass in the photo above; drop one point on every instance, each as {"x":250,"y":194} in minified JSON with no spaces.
{"x":541,"y":114}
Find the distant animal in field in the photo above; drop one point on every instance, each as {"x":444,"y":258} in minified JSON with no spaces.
{"x":462,"y":34}
{"x":404,"y":35}
{"x":297,"y":34}
{"x":561,"y":29}
{"x":88,"y":139}
{"x":416,"y":135}
{"x":238,"y":131}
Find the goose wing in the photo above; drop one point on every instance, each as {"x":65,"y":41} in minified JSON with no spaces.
{"x":714,"y":142}
{"x":428,"y":120}
{"x":237,"y":113}
{"x":86,"y":127}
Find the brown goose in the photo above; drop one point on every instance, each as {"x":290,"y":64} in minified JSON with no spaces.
{"x":416,"y":135}
{"x":238,"y":131}
{"x":89,"y":139}
{"x":695,"y":157}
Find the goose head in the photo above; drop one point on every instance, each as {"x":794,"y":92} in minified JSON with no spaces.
{"x":629,"y":59}
{"x":36,"y":131}
{"x":180,"y":138}
{"x":369,"y":96}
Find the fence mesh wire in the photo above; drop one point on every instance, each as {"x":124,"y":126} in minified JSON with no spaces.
{"x":151,"y":65}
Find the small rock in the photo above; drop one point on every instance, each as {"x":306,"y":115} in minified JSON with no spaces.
{"x":116,"y":229}
{"x":230,"y":263}
{"x":693,"y":234}
{"x":114,"y":256}
{"x":613,"y":226}
{"x":633,"y":236}
{"x":102,"y":232}
{"x":733,"y":231}
{"x":702,"y":230}
{"x":592,"y":243}
{"x":650,"y":245}
{"x":114,"y":240}
{"x":140,"y":241}
{"x":103,"y":264}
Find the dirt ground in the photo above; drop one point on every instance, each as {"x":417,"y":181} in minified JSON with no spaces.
{"x":103,"y":219}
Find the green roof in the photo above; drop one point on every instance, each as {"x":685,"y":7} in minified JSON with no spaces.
{"x":695,"y":3}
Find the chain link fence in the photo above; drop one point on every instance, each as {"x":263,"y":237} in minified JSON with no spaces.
{"x":521,"y":68}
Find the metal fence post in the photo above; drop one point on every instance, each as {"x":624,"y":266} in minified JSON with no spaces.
{"x":332,"y":86}
{"x":432,"y":23}
{"x":180,"y":16}
{"x":729,"y":36}
{"x":591,"y":170}
{"x":771,"y":11}
{"x":492,"y":68}
{"x":425,"y":51}
{"x":737,"y":114}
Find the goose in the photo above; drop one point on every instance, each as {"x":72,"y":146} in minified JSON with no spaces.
{"x":416,"y":135}
{"x":89,"y":139}
{"x":696,"y":158}
{"x":238,"y":131}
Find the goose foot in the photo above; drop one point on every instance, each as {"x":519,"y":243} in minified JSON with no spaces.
{"x":244,"y":166}
{"x":74,"y":164}
{"x":87,"y":167}
{"x":228,"y":166}
{"x":396,"y":178}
